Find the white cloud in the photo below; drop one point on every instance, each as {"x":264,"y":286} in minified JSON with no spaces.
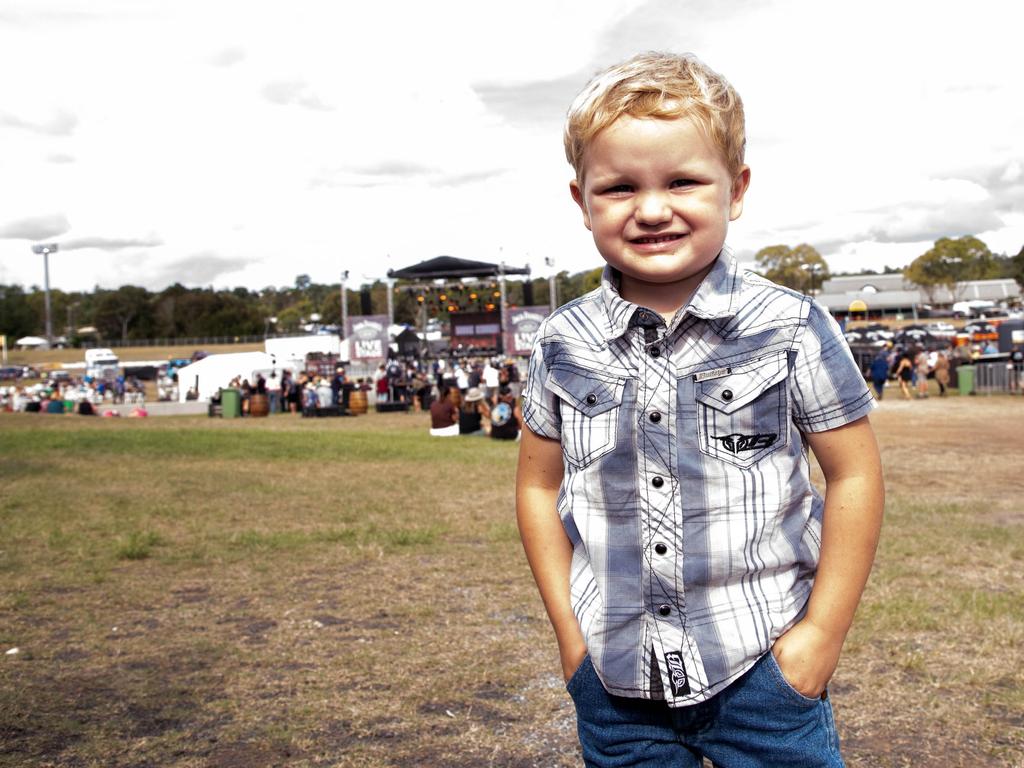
{"x":35,"y":228}
{"x":335,"y":135}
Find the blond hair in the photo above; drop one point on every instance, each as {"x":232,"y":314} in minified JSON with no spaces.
{"x":658,"y":85}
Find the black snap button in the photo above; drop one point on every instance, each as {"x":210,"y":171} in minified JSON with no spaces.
{"x":655,"y":416}
{"x":655,"y":352}
{"x":664,"y":610}
{"x":661,"y":549}
{"x":727,"y":394}
{"x":657,"y":482}
{"x":591,"y":398}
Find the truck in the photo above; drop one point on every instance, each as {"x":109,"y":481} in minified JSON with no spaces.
{"x":102,"y":364}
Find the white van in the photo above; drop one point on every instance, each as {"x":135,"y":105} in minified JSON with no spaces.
{"x":102,"y":363}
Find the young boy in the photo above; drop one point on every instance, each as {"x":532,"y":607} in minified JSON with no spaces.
{"x":699,"y":587}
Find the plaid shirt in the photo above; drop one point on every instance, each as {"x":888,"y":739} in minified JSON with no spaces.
{"x":686,"y":492}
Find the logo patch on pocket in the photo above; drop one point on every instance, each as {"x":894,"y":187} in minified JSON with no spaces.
{"x":737,"y":443}
{"x":677,"y":673}
{"x":716,"y":373}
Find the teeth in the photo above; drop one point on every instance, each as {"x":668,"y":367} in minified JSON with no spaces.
{"x":662,"y":239}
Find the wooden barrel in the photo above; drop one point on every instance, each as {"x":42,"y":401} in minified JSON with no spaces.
{"x":357,"y":402}
{"x":259,"y":405}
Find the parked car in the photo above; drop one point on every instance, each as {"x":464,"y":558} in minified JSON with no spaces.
{"x":874,"y":334}
{"x":946,"y":330}
{"x":866,"y":338}
{"x":10,"y":372}
{"x":982,"y":331}
{"x":880,"y":330}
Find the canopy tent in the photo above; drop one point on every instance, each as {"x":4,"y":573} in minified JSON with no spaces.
{"x":211,"y":373}
{"x":31,"y":341}
{"x":449,"y":267}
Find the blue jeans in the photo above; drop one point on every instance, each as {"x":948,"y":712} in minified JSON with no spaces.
{"x":760,"y":720}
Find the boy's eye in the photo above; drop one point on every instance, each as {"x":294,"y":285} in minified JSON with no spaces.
{"x":618,"y":189}
{"x":682,"y":183}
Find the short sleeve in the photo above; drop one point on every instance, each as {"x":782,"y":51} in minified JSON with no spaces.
{"x":540,"y":404}
{"x":828,"y":387}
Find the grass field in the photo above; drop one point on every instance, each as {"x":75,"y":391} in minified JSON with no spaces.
{"x":45,"y":358}
{"x":349,"y":592}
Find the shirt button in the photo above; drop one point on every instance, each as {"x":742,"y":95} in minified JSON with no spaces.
{"x":727,"y":394}
{"x":591,"y":398}
{"x":657,"y":482}
{"x":655,"y":352}
{"x":664,"y":609}
{"x":655,"y":416}
{"x":661,"y":549}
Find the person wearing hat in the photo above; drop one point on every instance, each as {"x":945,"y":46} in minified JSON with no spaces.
{"x":474,"y":415}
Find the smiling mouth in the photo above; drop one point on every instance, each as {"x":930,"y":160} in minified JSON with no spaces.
{"x":656,"y":239}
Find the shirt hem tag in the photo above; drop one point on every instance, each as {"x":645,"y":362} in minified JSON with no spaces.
{"x":677,"y":677}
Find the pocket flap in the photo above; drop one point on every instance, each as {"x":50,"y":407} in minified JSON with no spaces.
{"x":586,"y":391}
{"x":743,"y":384}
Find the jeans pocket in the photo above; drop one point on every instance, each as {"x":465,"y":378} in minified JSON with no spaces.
{"x":576,"y":680}
{"x":786,"y":687}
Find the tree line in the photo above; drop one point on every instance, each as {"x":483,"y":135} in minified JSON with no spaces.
{"x":131,"y":312}
{"x":950,"y":263}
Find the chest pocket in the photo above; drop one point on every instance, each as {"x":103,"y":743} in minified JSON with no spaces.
{"x":743,"y":415}
{"x":589,"y":407}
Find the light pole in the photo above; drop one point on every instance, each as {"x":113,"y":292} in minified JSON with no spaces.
{"x":267,"y":322}
{"x":812,"y":269}
{"x":46,"y":250}
{"x":549,"y":261}
{"x":390,"y":285}
{"x":344,"y":306}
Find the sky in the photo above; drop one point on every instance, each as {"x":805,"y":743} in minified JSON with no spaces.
{"x":222,"y":143}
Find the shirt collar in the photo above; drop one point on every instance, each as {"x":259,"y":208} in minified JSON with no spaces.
{"x":716,"y":297}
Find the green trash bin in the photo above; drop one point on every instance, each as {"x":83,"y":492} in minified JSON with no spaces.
{"x":230,"y":403}
{"x":965,"y":379}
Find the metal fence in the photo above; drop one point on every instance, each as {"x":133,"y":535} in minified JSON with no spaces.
{"x":998,"y":377}
{"x":198,"y":341}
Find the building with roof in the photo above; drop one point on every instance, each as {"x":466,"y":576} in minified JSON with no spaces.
{"x":891,"y":295}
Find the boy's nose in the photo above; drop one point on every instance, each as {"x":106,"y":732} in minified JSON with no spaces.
{"x":652,"y":208}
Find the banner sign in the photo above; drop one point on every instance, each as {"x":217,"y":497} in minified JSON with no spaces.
{"x":368,"y":337}
{"x":523,"y":324}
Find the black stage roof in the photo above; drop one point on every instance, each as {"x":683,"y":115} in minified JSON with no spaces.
{"x":445,"y":267}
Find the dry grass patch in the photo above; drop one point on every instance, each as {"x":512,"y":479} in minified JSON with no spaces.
{"x":350,"y":592}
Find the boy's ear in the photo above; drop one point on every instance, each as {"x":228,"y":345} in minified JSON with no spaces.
{"x":739,"y":189}
{"x":577,"y":194}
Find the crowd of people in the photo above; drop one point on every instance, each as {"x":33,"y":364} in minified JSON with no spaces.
{"x":911,"y":367}
{"x":483,"y":384}
{"x":84,"y":395}
{"x":476,"y":398}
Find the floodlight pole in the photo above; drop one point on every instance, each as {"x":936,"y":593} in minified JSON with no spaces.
{"x":344,"y":306}
{"x":504,"y":307}
{"x":46,"y":250}
{"x":391,"y":300}
{"x":549,"y":261}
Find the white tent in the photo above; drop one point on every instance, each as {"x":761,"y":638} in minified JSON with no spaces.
{"x":30,"y":341}
{"x":292,"y":350}
{"x":211,"y":373}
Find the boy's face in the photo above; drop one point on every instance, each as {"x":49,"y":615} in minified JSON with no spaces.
{"x":658,"y":197}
